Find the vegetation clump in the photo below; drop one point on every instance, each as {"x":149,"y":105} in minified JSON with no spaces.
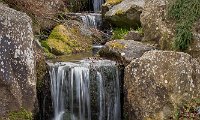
{"x":20,"y":115}
{"x":185,"y":13}
{"x":119,"y":33}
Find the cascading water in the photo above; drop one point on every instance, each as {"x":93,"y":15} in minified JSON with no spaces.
{"x":91,"y":19}
{"x":88,"y":90}
{"x":97,"y":5}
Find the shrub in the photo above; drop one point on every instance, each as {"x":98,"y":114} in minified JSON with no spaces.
{"x":185,"y":13}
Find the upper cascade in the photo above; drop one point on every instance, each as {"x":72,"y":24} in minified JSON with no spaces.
{"x":96,"y":5}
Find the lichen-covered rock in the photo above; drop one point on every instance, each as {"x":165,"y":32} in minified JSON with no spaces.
{"x":17,"y":62}
{"x":124,"y":51}
{"x":158,"y":82}
{"x":68,"y":38}
{"x":127,"y":13}
{"x":159,"y":28}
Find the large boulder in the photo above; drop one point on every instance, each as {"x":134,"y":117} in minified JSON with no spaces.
{"x":127,"y":13}
{"x":17,"y":69}
{"x":160,"y":29}
{"x":158,"y":82}
{"x":43,"y":12}
{"x":124,"y":51}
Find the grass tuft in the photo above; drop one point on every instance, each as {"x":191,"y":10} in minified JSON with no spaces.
{"x":119,"y":33}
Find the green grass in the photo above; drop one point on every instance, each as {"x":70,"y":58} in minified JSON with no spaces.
{"x":185,"y":13}
{"x":119,"y":33}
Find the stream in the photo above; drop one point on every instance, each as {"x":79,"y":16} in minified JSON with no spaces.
{"x":84,"y":87}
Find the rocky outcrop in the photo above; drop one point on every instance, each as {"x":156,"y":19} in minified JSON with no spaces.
{"x":159,"y":28}
{"x":70,"y":37}
{"x":127,"y":13}
{"x":124,"y":51}
{"x":158,"y":82}
{"x":17,"y":69}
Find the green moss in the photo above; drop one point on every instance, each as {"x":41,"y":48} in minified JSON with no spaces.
{"x":119,"y":33}
{"x":60,"y":33}
{"x":59,"y":47}
{"x":185,"y":13}
{"x":112,"y":2}
{"x":119,"y":12}
{"x":20,"y":115}
{"x":116,"y":45}
{"x":66,"y":41}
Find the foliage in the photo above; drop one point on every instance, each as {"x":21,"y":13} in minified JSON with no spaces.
{"x":20,"y":115}
{"x":119,"y":33}
{"x":185,"y":13}
{"x":188,"y":111}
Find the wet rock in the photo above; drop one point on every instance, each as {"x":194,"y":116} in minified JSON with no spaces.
{"x":158,"y":82}
{"x":133,"y":35}
{"x":17,"y":69}
{"x":127,"y":13}
{"x":124,"y":51}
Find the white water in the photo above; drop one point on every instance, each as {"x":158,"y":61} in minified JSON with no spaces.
{"x":71,"y":86}
{"x":91,"y":19}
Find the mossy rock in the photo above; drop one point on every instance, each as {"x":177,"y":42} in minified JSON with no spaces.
{"x":66,"y":39}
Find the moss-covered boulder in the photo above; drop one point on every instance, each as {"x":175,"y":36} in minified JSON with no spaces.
{"x":127,"y":13}
{"x":67,"y":39}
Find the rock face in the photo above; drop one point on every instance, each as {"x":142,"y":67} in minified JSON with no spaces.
{"x":17,"y":69}
{"x":127,"y":13}
{"x":158,"y":82}
{"x":124,"y":51}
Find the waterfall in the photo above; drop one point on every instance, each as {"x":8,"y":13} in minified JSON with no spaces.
{"x":91,"y":19}
{"x":97,"y":5}
{"x":86,"y":90}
